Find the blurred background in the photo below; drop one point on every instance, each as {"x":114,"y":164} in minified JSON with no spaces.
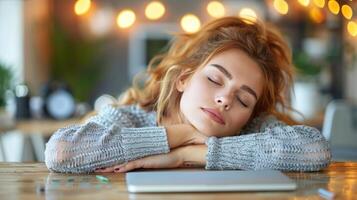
{"x":62,"y":59}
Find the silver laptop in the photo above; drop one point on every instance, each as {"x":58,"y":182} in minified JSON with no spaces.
{"x":207,"y":181}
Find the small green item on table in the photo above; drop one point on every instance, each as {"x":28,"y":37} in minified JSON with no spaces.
{"x":102,"y":178}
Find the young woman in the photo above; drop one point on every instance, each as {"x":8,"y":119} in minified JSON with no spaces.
{"x":215,"y":100}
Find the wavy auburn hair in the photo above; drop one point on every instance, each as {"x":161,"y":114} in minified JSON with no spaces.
{"x":188,"y":52}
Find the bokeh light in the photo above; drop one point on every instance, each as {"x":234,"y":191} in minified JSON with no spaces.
{"x":281,"y":6}
{"x":154,"y":10}
{"x":319,"y":3}
{"x":352,"y":28}
{"x":316,"y":15}
{"x":248,"y":14}
{"x":81,"y":7}
{"x":190,"y":23}
{"x":126,"y":18}
{"x":216,"y":9}
{"x":334,"y":7}
{"x":304,"y":2}
{"x":347,"y":11}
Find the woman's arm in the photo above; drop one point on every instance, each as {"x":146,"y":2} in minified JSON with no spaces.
{"x":287,"y":148}
{"x":185,"y":156}
{"x":278,"y":146}
{"x":109,"y":138}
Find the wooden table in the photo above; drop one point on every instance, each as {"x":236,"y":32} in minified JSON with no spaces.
{"x":33,"y":181}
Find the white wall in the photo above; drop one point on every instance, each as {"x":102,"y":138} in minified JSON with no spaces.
{"x":11,"y":36}
{"x":12,"y":54}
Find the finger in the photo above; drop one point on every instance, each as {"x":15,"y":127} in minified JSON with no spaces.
{"x":125,"y":168}
{"x":99,"y":169}
{"x":120,"y":165}
{"x":129,"y":166}
{"x":105,"y":170}
{"x":109,"y":169}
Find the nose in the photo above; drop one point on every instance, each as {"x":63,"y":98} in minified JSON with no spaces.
{"x":224,"y":101}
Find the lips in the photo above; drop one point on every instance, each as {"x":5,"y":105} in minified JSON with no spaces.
{"x":214,"y":115}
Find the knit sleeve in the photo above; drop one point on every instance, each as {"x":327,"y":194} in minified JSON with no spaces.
{"x":273,"y":145}
{"x":113,"y":136}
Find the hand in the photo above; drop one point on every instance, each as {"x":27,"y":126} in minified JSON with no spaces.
{"x":174,"y":159}
{"x":187,"y":156}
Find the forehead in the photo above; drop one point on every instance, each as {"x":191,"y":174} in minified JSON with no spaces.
{"x":243,"y":68}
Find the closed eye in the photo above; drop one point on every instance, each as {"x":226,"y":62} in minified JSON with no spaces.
{"x":215,"y":82}
{"x":241,"y":102}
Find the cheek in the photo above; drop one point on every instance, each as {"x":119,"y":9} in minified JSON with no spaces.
{"x":189,"y":97}
{"x":239,"y":119}
{"x":197,"y":89}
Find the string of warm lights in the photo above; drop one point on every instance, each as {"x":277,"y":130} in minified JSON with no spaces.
{"x":191,"y":23}
{"x":316,"y":14}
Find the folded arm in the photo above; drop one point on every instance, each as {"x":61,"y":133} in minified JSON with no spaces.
{"x":109,"y":138}
{"x":272,"y":145}
{"x":113,"y":137}
{"x":276,"y":146}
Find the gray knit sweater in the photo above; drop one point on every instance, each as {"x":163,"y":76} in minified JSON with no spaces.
{"x":121,"y":134}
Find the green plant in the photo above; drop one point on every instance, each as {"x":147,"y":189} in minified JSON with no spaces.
{"x":305,"y":66}
{"x":5,"y":82}
{"x":75,"y":61}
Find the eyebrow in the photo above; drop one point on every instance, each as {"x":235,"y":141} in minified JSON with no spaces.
{"x":229,"y":76}
{"x":223,"y":70}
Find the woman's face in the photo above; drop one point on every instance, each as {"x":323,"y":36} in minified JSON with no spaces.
{"x":219,"y":98}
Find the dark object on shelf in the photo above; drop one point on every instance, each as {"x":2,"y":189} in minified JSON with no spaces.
{"x":22,"y":96}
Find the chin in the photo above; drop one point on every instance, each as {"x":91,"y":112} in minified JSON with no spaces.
{"x":214,"y":132}
{"x":203,"y":126}
{"x":208,"y":131}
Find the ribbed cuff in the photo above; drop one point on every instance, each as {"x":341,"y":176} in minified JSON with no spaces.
{"x":141,"y":142}
{"x":230,"y":153}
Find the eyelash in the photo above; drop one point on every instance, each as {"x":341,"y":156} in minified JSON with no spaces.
{"x":245,"y":105}
{"x":214,"y":81}
{"x":240,"y":101}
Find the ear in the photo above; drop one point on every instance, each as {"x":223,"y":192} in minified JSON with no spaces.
{"x":182,"y":81}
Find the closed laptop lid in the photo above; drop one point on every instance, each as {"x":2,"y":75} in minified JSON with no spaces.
{"x":208,"y":181}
